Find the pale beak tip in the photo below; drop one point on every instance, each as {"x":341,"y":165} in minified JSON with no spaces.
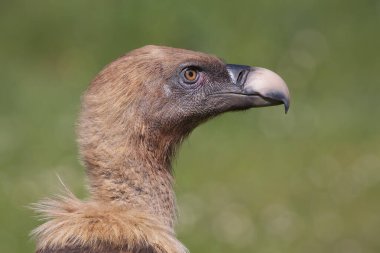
{"x":270,"y":85}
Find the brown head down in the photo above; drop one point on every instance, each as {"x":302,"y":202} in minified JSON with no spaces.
{"x":134,"y":116}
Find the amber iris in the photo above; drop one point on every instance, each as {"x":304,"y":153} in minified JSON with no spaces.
{"x":191,"y":75}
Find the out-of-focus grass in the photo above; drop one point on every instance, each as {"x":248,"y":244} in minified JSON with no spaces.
{"x":255,"y":181}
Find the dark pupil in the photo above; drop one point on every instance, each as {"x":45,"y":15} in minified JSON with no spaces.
{"x":191,"y":74}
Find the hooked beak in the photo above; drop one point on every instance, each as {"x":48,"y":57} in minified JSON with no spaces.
{"x":259,"y":86}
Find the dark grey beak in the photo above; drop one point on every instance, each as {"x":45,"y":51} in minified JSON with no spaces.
{"x":262,"y":86}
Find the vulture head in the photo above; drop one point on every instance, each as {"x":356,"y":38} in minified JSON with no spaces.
{"x":151,"y":98}
{"x":134,"y":115}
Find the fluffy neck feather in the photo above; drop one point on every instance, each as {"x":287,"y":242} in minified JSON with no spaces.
{"x":130,"y":183}
{"x":128,"y":160}
{"x":132,"y":205}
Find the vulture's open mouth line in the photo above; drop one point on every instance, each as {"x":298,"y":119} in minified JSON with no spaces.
{"x":253,"y":99}
{"x":247,"y":95}
{"x":237,"y":94}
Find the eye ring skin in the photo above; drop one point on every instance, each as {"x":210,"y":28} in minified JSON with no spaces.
{"x":185,"y":78}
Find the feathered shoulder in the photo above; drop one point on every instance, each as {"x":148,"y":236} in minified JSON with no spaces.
{"x":75,"y":226}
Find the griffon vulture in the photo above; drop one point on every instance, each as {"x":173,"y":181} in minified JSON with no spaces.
{"x":134,"y":116}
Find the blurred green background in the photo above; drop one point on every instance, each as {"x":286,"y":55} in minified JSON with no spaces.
{"x":254,"y":181}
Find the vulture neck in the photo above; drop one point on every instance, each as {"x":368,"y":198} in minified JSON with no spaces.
{"x":133,"y":170}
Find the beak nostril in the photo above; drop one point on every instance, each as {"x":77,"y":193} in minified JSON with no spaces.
{"x":238,"y":73}
{"x":242,"y":77}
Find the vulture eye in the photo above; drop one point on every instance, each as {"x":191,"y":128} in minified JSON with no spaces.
{"x":190,"y":75}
